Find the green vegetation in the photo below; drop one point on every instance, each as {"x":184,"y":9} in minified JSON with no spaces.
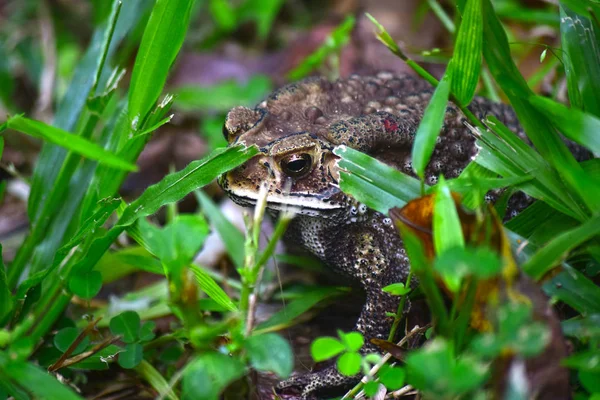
{"x":110,"y":98}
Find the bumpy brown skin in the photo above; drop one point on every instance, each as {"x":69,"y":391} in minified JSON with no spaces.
{"x":378,"y":115}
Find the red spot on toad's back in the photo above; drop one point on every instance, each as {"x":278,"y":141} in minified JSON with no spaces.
{"x":390,"y":126}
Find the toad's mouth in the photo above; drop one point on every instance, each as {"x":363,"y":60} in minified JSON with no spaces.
{"x":300,"y":203}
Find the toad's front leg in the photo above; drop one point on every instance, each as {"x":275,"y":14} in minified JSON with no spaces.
{"x":373,"y":266}
{"x":372,"y":323}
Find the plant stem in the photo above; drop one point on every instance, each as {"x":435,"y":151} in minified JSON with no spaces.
{"x":400,"y":309}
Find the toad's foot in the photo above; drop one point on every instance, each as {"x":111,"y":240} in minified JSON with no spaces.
{"x":318,"y":385}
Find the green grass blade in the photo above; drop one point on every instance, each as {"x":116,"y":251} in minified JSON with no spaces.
{"x":373,"y":183}
{"x":210,"y":287}
{"x":466,"y":60}
{"x":161,"y":42}
{"x":38,"y":382}
{"x":447,"y":230}
{"x":74,"y":143}
{"x":336,"y":40}
{"x":177,"y":185}
{"x":223,"y":96}
{"x":230,"y":235}
{"x":538,"y":128}
{"x":69,"y":111}
{"x":509,"y":156}
{"x":294,"y":309}
{"x":431,"y":125}
{"x":577,"y":125}
{"x":172,"y":188}
{"x":6,"y":299}
{"x":540,"y":223}
{"x":156,"y":380}
{"x":554,"y":251}
{"x":580,"y":38}
{"x":576,"y":290}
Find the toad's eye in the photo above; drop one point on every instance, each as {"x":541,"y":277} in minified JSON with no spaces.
{"x":296,"y":165}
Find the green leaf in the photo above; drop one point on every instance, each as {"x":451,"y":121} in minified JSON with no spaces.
{"x":230,"y":235}
{"x":208,"y":374}
{"x":171,"y":189}
{"x":371,"y":388}
{"x":160,"y":44}
{"x":86,"y":284}
{"x":288,"y":314}
{"x":374,"y":183}
{"x":65,"y":338}
{"x":349,"y":363}
{"x":576,"y":290}
{"x":147,"y":331}
{"x":435,"y":370}
{"x":210,"y":287}
{"x":447,"y":230}
{"x":39,"y":383}
{"x":391,"y":377}
{"x":396,"y":289}
{"x":324,"y":348}
{"x":155,"y":378}
{"x":538,"y":128}
{"x":126,"y":324}
{"x":332,"y":44}
{"x":577,"y":125}
{"x":223,"y":96}
{"x":517,"y":333}
{"x":353,"y":340}
{"x":177,"y":243}
{"x":579,"y":39}
{"x":555,"y":250}
{"x":584,"y":361}
{"x":431,"y":125}
{"x":582,"y":327}
{"x":177,"y":185}
{"x":270,"y":353}
{"x":590,"y":381}
{"x":132,"y":356}
{"x":73,"y":102}
{"x":74,"y":143}
{"x":6,"y":299}
{"x":456,"y":263}
{"x":466,"y":59}
{"x":263,"y":12}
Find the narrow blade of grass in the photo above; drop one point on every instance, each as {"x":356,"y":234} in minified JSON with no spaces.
{"x":156,"y":380}
{"x":161,"y":42}
{"x":538,"y":128}
{"x":223,"y":96}
{"x":579,"y":38}
{"x":71,"y":142}
{"x":38,"y":382}
{"x":431,"y":125}
{"x":373,"y":183}
{"x":172,"y":188}
{"x":576,"y":290}
{"x":466,"y":60}
{"x":291,"y":311}
{"x":6,"y":299}
{"x":336,"y":40}
{"x":230,"y":235}
{"x":447,"y":230}
{"x":210,"y":287}
{"x":70,"y":108}
{"x":554,"y":251}
{"x":577,"y":125}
